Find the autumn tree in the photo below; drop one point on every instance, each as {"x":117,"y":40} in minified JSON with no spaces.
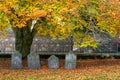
{"x":82,"y":19}
{"x":21,"y":15}
{"x":98,"y":17}
{"x":109,"y":17}
{"x":28,"y":17}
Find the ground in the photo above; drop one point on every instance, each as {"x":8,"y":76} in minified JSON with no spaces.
{"x":87,"y":69}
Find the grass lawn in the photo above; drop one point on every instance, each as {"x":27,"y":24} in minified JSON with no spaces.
{"x":89,"y":69}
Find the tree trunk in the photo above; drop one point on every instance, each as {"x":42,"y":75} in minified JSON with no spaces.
{"x":23,"y":40}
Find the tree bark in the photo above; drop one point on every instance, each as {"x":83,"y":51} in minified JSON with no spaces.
{"x":23,"y":40}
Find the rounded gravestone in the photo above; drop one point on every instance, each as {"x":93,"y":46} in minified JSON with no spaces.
{"x":53,"y":62}
{"x":70,"y":61}
{"x":16,"y":60}
{"x":33,"y":60}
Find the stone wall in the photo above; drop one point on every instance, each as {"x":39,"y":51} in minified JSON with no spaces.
{"x":48,"y":44}
{"x":107,"y":44}
{"x":40,"y":44}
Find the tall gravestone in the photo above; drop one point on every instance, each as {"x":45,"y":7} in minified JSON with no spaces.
{"x":16,"y":61}
{"x":70,"y":61}
{"x":53,"y":62}
{"x":33,"y":61}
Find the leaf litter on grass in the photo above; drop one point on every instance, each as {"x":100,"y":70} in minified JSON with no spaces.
{"x":90,"y":70}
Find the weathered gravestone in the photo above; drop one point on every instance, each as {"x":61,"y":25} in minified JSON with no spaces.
{"x":53,"y":62}
{"x":16,"y":61}
{"x":70,"y":61}
{"x":33,"y":61}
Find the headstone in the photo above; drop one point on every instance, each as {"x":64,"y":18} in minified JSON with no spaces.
{"x":16,"y":61}
{"x":53,"y":62}
{"x":33,"y":60}
{"x":70,"y":61}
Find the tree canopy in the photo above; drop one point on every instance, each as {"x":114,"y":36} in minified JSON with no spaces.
{"x":82,"y":19}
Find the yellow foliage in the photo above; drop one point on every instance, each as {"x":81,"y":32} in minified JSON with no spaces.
{"x":63,"y":18}
{"x":88,"y":41}
{"x":19,"y":14}
{"x":109,"y":16}
{"x":3,"y":34}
